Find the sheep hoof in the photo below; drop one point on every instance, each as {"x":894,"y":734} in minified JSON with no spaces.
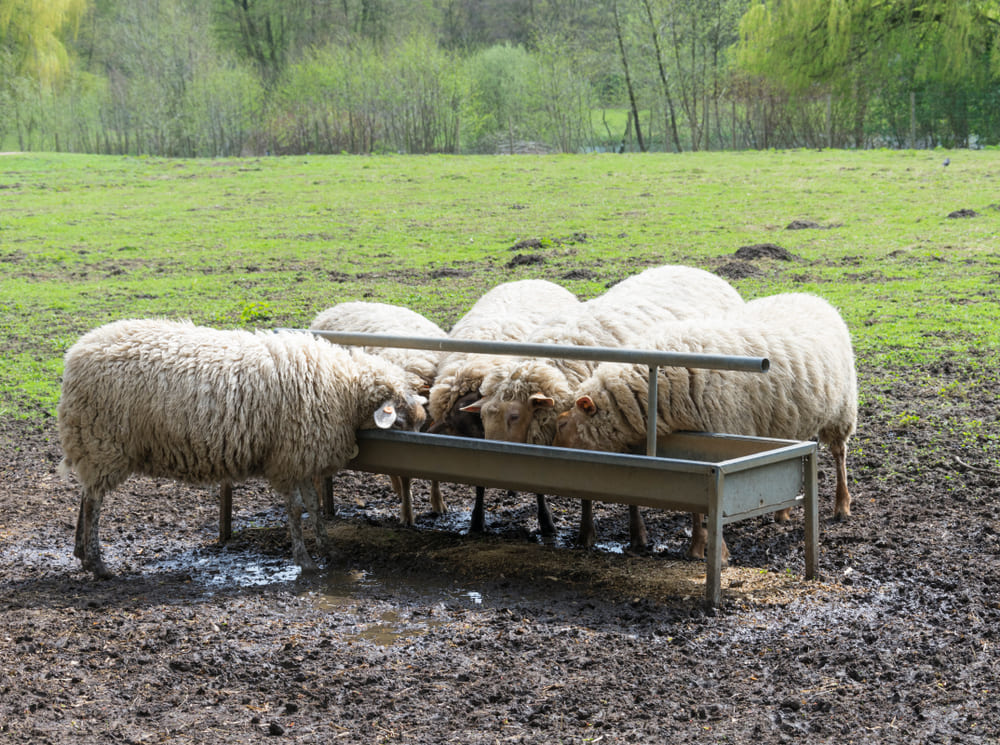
{"x":99,"y":569}
{"x":308,"y":566}
{"x":783,"y":516}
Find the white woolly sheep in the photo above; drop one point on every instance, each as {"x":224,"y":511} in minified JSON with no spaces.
{"x":809,"y":391}
{"x":522,"y":397}
{"x":175,"y":400}
{"x":508,"y":312}
{"x":382,"y":318}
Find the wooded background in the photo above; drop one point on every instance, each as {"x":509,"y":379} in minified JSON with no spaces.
{"x":244,"y":77}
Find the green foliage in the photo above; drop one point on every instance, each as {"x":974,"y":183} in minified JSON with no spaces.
{"x":361,"y":99}
{"x":499,"y":94}
{"x":31,"y":37}
{"x":878,"y":54}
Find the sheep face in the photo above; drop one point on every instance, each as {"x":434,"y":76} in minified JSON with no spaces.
{"x":510,"y":421}
{"x":573,"y":428}
{"x":407,"y":413}
{"x":459,"y":422}
{"x":592,"y":424}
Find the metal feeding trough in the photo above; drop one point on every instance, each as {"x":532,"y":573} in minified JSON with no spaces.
{"x":728,"y":478}
{"x":725,"y":477}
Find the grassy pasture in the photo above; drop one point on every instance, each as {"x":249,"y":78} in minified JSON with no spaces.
{"x":266,"y":242}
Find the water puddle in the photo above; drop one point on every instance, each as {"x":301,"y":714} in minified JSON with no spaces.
{"x":387,"y":610}
{"x":221,"y":569}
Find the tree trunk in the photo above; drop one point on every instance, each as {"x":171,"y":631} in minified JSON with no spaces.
{"x":628,"y":78}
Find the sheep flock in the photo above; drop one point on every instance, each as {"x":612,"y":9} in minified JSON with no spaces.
{"x":174,"y":400}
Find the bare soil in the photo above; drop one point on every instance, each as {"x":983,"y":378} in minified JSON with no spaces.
{"x":429,"y":635}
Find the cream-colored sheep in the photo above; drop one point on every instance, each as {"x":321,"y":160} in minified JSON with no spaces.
{"x":522,"y":397}
{"x":809,"y":391}
{"x":508,"y":312}
{"x":382,"y":318}
{"x":175,"y":400}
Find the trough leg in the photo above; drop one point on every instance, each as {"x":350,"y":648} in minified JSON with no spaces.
{"x":225,"y":512}
{"x":811,"y":494}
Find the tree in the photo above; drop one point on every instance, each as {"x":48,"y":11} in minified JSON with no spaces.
{"x":630,"y":84}
{"x":31,"y":36}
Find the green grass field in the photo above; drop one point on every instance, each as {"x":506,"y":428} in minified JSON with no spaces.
{"x":269,"y":242}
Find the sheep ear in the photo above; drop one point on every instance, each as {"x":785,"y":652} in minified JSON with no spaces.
{"x":475,"y":407}
{"x":385,"y":415}
{"x":586,"y":405}
{"x":541,"y":401}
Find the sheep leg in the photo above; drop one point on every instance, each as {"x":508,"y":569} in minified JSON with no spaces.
{"x":783,"y":516}
{"x":638,"y":538}
{"x":311,"y":497}
{"x":842,"y":504}
{"x":699,"y":540}
{"x":478,"y":522}
{"x":438,"y":507}
{"x":546,"y":525}
{"x":401,"y":485}
{"x":588,"y":533}
{"x":88,"y":543}
{"x":320,"y":484}
{"x":699,"y":537}
{"x":295,"y":508}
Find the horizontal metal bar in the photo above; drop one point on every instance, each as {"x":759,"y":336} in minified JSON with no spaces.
{"x":561,"y":351}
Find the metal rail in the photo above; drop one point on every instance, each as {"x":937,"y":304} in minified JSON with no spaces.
{"x":654,"y":359}
{"x":559,"y":351}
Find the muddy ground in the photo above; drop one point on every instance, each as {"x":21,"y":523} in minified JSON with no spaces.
{"x":428,"y":635}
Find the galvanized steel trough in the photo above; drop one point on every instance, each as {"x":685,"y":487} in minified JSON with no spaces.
{"x":726,"y":477}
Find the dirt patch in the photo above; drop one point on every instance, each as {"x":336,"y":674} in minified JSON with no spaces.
{"x":803,"y":225}
{"x":738,"y":270}
{"x":763,"y":251}
{"x":429,"y":635}
{"x":525,"y":260}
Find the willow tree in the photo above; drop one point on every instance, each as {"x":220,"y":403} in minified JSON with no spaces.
{"x":31,"y":36}
{"x":849,"y":48}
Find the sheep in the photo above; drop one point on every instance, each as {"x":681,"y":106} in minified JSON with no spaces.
{"x":382,"y":318}
{"x":809,"y":391}
{"x":522,"y":397}
{"x":170,"y":399}
{"x":508,"y":312}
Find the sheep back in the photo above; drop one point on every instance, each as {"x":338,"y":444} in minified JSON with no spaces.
{"x":383,"y":318}
{"x":508,"y":312}
{"x":624,"y":316}
{"x":810,"y":389}
{"x":171,"y":399}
